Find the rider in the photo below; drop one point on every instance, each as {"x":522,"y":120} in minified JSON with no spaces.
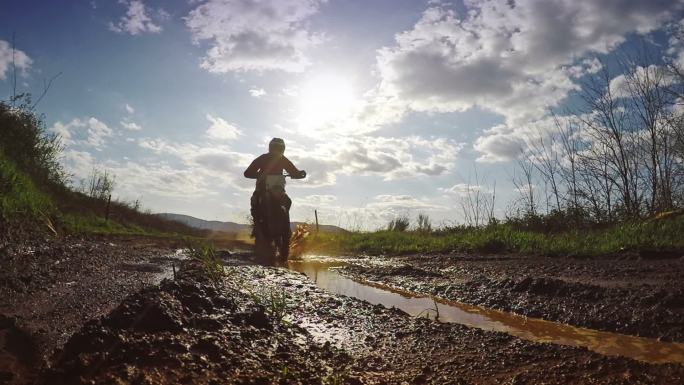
{"x":271,"y":163}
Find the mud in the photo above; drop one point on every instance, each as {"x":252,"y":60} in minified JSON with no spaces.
{"x":50,"y":287}
{"x":641,"y":297}
{"x":264,"y":325}
{"x":110,"y":311}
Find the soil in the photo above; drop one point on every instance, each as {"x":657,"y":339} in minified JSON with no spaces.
{"x":635,"y":296}
{"x":50,"y":287}
{"x":256,"y":325}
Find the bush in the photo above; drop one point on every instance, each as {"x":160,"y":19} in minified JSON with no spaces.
{"x":399,"y":224}
{"x":424,"y":224}
{"x":25,"y":141}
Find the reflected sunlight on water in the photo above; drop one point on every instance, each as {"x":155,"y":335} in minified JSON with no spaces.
{"x":324,"y":273}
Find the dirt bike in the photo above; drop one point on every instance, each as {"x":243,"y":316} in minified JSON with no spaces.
{"x":272,"y":227}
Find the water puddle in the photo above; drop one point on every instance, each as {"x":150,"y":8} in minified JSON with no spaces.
{"x":324,"y":273}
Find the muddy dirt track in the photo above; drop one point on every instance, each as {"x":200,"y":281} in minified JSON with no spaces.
{"x":50,"y":287}
{"x":265,"y":325}
{"x":636,"y":296}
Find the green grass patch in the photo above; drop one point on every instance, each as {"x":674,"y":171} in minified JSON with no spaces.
{"x":20,"y":199}
{"x":651,"y":235}
{"x":93,"y":224}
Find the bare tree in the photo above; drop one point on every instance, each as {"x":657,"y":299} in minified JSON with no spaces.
{"x":100,"y":184}
{"x":477,"y":202}
{"x":524,"y":183}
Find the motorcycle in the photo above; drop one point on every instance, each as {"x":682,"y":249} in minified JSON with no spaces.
{"x":272,"y":226}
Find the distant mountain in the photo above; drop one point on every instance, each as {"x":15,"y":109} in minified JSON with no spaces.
{"x":230,"y":227}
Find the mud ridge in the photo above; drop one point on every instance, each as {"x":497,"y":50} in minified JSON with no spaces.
{"x":636,"y":297}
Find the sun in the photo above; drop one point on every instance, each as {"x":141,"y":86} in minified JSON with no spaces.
{"x":324,"y":100}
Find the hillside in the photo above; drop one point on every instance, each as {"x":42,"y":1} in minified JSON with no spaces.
{"x":36,"y":193}
{"x":231,"y":227}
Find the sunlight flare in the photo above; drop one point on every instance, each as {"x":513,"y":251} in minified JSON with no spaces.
{"x":324,"y":100}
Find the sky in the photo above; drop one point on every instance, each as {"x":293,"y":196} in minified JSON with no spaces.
{"x":393,"y":107}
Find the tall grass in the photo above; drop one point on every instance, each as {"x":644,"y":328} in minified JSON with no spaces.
{"x":652,"y":235}
{"x":19,"y":197}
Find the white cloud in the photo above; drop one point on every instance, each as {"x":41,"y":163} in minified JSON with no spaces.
{"x":137,"y":19}
{"x":21,"y":60}
{"x":397,"y":203}
{"x":129,"y":108}
{"x":221,"y":129}
{"x":257,"y":92}
{"x":508,"y":56}
{"x":254,"y":35}
{"x":463,"y":189}
{"x":131,"y":126}
{"x":79,"y":163}
{"x":514,"y":58}
{"x":87,"y":132}
{"x":319,"y":199}
{"x":373,"y":215}
{"x":159,"y":179}
{"x":653,"y":74}
{"x":389,"y":158}
{"x":499,"y":144}
{"x":97,"y":132}
{"x":216,"y":162}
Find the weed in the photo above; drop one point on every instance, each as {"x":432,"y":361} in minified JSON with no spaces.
{"x":273,"y":300}
{"x":210,"y":261}
{"x":399,"y":224}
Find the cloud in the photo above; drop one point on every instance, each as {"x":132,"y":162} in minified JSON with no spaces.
{"x":389,"y":158}
{"x":463,"y":189}
{"x":79,"y":163}
{"x":652,"y":74}
{"x":249,"y":35}
{"x":160,"y":179}
{"x":137,"y":19}
{"x":21,"y":60}
{"x":257,"y":92}
{"x":132,"y":126}
{"x":514,"y":58}
{"x":88,"y":132}
{"x":216,"y":162}
{"x":129,"y":108}
{"x":373,"y":215}
{"x":221,"y":130}
{"x":500,"y":144}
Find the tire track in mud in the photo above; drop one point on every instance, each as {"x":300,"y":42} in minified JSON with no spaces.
{"x":634,"y":297}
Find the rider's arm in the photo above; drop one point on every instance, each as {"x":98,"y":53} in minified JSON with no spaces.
{"x":292,"y":170}
{"x":252,"y":172}
{"x":289,"y":167}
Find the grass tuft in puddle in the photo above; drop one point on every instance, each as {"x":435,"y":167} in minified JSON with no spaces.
{"x":210,"y":261}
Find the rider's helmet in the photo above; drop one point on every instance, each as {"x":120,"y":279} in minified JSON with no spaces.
{"x":276,"y":145}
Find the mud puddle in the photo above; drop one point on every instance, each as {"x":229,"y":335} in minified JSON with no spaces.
{"x":324,"y":272}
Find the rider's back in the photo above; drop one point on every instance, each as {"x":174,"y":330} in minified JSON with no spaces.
{"x":270,"y":164}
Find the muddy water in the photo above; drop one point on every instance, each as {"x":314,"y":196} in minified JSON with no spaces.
{"x":324,"y":273}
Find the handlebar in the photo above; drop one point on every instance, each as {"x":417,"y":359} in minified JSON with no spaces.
{"x":301,"y":176}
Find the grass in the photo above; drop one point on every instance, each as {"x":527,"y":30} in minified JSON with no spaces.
{"x":24,"y":204}
{"x":19,"y":197}
{"x":655,"y":235}
{"x":210,"y":261}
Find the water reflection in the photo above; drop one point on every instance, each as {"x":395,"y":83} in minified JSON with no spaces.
{"x":324,"y":273}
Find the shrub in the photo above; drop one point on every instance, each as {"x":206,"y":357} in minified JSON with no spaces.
{"x":26,"y":142}
{"x":424,"y":224}
{"x":399,"y":224}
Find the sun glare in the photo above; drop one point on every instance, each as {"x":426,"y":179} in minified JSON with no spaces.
{"x":323,"y":101}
